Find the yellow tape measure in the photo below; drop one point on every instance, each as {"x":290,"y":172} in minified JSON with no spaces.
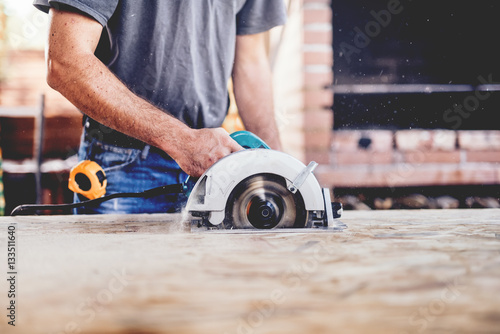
{"x":88,"y":179}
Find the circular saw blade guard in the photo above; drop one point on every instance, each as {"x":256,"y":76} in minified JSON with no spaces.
{"x":210,"y":195}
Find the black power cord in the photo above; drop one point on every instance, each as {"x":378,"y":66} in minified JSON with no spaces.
{"x":27,"y":209}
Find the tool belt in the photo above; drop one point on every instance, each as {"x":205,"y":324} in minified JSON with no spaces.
{"x":96,"y":131}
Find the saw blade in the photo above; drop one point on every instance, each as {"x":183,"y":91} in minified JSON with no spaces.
{"x":263,"y":201}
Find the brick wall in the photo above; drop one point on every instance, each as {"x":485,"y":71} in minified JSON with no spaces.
{"x":302,"y":73}
{"x":287,"y":66}
{"x":377,"y":158}
{"x":22,"y":86}
{"x":318,"y":75}
{"x":403,"y":158}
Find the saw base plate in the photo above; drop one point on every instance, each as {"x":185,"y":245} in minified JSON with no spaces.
{"x":204,"y":229}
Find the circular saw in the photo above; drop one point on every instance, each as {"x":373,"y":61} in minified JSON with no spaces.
{"x":256,"y":188}
{"x":259,"y":188}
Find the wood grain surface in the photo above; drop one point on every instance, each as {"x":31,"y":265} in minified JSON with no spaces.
{"x":389,"y":272}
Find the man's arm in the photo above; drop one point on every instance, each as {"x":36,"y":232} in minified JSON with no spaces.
{"x":253,"y":88}
{"x":74,"y":71}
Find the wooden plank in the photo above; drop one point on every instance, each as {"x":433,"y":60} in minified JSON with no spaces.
{"x":389,"y":272}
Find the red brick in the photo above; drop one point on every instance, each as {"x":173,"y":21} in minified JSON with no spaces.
{"x":318,"y":58}
{"x":483,"y":156}
{"x":425,"y":140}
{"x":318,"y":37}
{"x":314,"y":99}
{"x":479,"y":140}
{"x":318,"y":140}
{"x":361,"y":157}
{"x":314,"y":15}
{"x":321,"y":157}
{"x":419,"y":157}
{"x":348,"y":140}
{"x":318,"y":120}
{"x":318,"y":80}
{"x":62,"y":134}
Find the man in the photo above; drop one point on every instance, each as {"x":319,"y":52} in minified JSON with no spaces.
{"x":151,"y":77}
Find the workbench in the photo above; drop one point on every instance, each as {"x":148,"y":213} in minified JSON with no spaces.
{"x":389,"y":272}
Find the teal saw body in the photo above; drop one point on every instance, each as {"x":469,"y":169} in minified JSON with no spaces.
{"x":248,"y":140}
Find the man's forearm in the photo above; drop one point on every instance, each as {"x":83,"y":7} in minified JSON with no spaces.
{"x":91,"y":87}
{"x":253,"y":89}
{"x":255,"y":105}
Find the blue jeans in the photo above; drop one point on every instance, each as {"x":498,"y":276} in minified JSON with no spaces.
{"x":133,"y":170}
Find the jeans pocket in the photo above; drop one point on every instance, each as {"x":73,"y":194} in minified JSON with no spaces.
{"x":111,"y":157}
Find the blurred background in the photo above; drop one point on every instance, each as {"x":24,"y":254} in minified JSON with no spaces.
{"x":397,"y":100}
{"x":39,"y":129}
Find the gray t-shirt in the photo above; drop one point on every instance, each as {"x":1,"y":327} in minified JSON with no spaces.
{"x":177,"y":54}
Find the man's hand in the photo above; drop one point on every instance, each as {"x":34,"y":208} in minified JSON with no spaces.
{"x":74,"y":71}
{"x":204,"y":149}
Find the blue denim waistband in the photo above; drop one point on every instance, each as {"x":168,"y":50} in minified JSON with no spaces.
{"x":95,"y":131}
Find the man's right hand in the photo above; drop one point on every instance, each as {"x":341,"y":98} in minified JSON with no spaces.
{"x":202,"y":148}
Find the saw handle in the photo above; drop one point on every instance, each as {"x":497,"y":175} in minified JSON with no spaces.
{"x":248,"y":140}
